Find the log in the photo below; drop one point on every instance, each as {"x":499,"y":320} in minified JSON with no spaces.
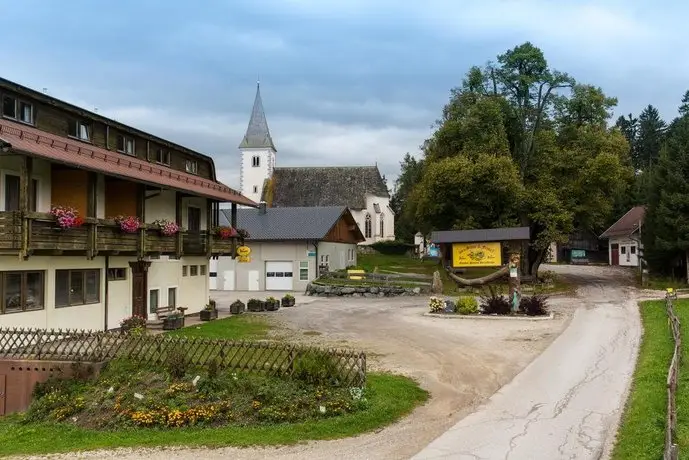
{"x":478,"y":281}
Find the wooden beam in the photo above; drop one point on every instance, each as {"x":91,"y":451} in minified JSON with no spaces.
{"x":25,"y":173}
{"x":209,"y":227}
{"x":233,"y":223}
{"x":178,"y":221}
{"x":141,"y":213}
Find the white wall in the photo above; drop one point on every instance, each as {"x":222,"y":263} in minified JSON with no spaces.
{"x":10,"y":164}
{"x":627,"y":259}
{"x":252,"y":177}
{"x":388,"y":219}
{"x":192,"y":291}
{"x":338,"y":255}
{"x":164,"y":206}
{"x":119,"y":293}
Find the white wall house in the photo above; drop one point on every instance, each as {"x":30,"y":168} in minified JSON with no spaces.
{"x":288,"y":247}
{"x":624,"y":239}
{"x":362,"y":189}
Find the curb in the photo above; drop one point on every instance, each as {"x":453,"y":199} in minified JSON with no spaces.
{"x":490,"y":317}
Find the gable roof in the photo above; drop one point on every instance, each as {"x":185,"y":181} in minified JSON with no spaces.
{"x":257,"y":133}
{"x":326,"y":186}
{"x":627,"y":224}
{"x":481,"y":236}
{"x":281,"y":224}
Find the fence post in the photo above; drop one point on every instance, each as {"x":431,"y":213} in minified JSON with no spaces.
{"x":671,"y":450}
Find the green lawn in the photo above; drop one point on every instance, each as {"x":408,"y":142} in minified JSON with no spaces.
{"x":236,"y":327}
{"x":390,"y":396}
{"x":642,"y":433}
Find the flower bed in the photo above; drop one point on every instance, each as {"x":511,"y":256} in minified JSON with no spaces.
{"x":490,"y":305}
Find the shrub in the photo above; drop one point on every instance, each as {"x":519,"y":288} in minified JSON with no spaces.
{"x":177,"y":364}
{"x":467,"y":305}
{"x":133,"y":322}
{"x":316,"y":368}
{"x":495,"y":304}
{"x":547,"y":276}
{"x":392,"y":247}
{"x":254,"y":305}
{"x":436,"y":305}
{"x":535,"y":305}
{"x":288,"y":297}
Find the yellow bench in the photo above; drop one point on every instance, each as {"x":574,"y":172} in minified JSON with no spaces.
{"x":356,"y":274}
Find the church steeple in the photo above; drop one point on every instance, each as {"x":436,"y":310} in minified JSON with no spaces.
{"x":257,"y":133}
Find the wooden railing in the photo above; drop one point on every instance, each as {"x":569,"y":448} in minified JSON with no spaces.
{"x":38,"y":233}
{"x":671,"y":450}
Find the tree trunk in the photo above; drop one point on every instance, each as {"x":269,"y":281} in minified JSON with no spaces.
{"x":478,"y":281}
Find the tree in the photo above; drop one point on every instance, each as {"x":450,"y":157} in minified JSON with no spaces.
{"x":650,"y":138}
{"x":410,"y":174}
{"x":684,"y":107}
{"x":521,"y":144}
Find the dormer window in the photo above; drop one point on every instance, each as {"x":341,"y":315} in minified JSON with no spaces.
{"x":125,"y":144}
{"x":80,"y":130}
{"x":191,"y":166}
{"x":163,"y":156}
{"x":256,"y":161}
{"x":17,"y":110}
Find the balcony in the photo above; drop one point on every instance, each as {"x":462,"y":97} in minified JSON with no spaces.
{"x":39,"y":234}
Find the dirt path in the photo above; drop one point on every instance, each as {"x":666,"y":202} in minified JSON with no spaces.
{"x":461,"y":363}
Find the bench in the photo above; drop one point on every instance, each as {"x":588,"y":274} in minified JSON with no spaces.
{"x":356,"y":274}
{"x":164,"y":312}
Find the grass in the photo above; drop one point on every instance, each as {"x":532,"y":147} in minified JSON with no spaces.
{"x":391,"y":398}
{"x":642,"y":432}
{"x":661,"y":283}
{"x":236,"y":327}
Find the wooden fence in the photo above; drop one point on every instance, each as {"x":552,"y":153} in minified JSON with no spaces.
{"x":276,"y":359}
{"x":671,"y":450}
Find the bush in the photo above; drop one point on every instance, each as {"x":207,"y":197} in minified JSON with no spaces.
{"x":177,"y":364}
{"x":495,"y":304}
{"x":467,"y":305}
{"x":436,"y":305}
{"x":535,"y":305}
{"x":392,"y":248}
{"x":133,"y":322}
{"x":317,"y":368}
{"x":547,"y":277}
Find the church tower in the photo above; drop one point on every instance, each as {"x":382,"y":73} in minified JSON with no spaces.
{"x":258,"y":152}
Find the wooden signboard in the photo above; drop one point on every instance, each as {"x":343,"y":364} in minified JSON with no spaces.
{"x":476,"y":255}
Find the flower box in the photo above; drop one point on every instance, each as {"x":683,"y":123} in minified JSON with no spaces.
{"x":272,"y":304}
{"x":172,"y":323}
{"x":208,"y":315}
{"x":237,"y":307}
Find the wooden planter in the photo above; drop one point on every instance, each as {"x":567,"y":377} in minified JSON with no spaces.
{"x":288,"y":302}
{"x":208,"y":315}
{"x":237,"y":308}
{"x":170,"y":324}
{"x":256,"y":306}
{"x":272,"y":305}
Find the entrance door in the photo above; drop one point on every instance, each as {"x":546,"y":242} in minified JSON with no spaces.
{"x":3,"y":390}
{"x":193,"y":219}
{"x":615,"y":254}
{"x":253,"y":280}
{"x":279,"y":276}
{"x":140,"y":287}
{"x":228,"y":280}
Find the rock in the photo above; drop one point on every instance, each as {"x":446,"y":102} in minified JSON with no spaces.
{"x":356,"y":294}
{"x":416,"y":291}
{"x":196,"y":380}
{"x":348,"y":290}
{"x":111,"y":389}
{"x":437,"y":286}
{"x":138,"y":396}
{"x":373,"y":290}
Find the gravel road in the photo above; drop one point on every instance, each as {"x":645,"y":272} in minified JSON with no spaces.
{"x":463,"y":363}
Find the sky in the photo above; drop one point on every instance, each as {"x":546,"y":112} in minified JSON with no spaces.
{"x":343,"y":82}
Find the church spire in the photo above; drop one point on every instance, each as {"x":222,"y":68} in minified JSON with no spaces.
{"x":257,"y":133}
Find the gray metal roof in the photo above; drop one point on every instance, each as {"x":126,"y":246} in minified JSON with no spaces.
{"x":326,"y":186}
{"x":281,"y":224}
{"x":257,"y":133}
{"x":481,"y":236}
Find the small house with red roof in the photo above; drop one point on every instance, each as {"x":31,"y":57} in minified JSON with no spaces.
{"x":624,"y":238}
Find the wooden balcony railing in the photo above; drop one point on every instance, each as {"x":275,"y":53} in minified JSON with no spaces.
{"x":38,"y":233}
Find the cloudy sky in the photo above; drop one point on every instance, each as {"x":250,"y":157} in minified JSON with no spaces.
{"x":343,"y":81}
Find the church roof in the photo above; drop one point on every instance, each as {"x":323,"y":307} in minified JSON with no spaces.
{"x":257,"y":133}
{"x":325,"y":186}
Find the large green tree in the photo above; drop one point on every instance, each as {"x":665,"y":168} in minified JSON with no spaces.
{"x":410,"y":174}
{"x":650,"y":138}
{"x":521,"y":144}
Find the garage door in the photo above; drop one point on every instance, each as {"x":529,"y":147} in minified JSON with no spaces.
{"x":279,"y":276}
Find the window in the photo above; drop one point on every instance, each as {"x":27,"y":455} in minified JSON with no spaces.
{"x":632,"y":249}
{"x":303,"y":271}
{"x":171,"y":297}
{"x":25,"y":112}
{"x":9,"y":107}
{"x":153,"y":300}
{"x":79,"y":129}
{"x":163,"y":156}
{"x":184,"y":270}
{"x":367,"y":226}
{"x":117,"y":274}
{"x":256,"y":161}
{"x":255,"y":188}
{"x":382,"y":225}
{"x":17,"y":109}
{"x":125,"y":144}
{"x":202,"y":270}
{"x":76,"y":287}
{"x":22,"y":291}
{"x":193,"y":270}
{"x":191,"y":166}
{"x":12,"y":187}
{"x":623,"y":249}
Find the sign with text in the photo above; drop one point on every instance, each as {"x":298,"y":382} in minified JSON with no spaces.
{"x":476,"y":255}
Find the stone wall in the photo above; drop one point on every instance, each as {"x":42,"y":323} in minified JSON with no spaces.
{"x":360,"y":291}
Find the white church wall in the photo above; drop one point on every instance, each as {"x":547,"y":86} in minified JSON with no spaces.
{"x":253,"y":174}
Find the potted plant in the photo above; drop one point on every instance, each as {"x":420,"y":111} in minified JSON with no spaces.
{"x":133,"y":323}
{"x":167,"y":227}
{"x":173,"y":321}
{"x":237,"y":307}
{"x":272,"y":304}
{"x":255,"y":305}
{"x":128,"y":224}
{"x":66,"y":217}
{"x":288,"y":300}
{"x":209,"y":312}
{"x":225,"y":233}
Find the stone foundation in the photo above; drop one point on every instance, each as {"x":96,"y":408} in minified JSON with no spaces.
{"x":360,"y":291}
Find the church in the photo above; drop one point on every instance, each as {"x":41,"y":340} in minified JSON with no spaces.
{"x":361,"y":189}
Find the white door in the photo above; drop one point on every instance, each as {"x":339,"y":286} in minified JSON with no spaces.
{"x":228,"y":280}
{"x":253,"y":280}
{"x":213,"y":274}
{"x":279,"y":276}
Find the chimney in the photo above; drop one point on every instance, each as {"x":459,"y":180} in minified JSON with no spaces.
{"x":262,"y":207}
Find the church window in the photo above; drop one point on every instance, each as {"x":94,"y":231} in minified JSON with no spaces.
{"x":256,"y":161}
{"x":367,"y":226}
{"x":255,"y":188}
{"x":382,"y":225}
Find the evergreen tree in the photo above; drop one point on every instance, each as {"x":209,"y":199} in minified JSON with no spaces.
{"x":650,"y":138}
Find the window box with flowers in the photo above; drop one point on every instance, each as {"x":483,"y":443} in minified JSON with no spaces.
{"x":166,"y":227}
{"x":225,"y":233}
{"x":128,"y":224}
{"x":66,"y":217}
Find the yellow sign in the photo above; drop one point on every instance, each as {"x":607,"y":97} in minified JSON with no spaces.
{"x":244,"y":253}
{"x":476,"y":255}
{"x":244,"y":259}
